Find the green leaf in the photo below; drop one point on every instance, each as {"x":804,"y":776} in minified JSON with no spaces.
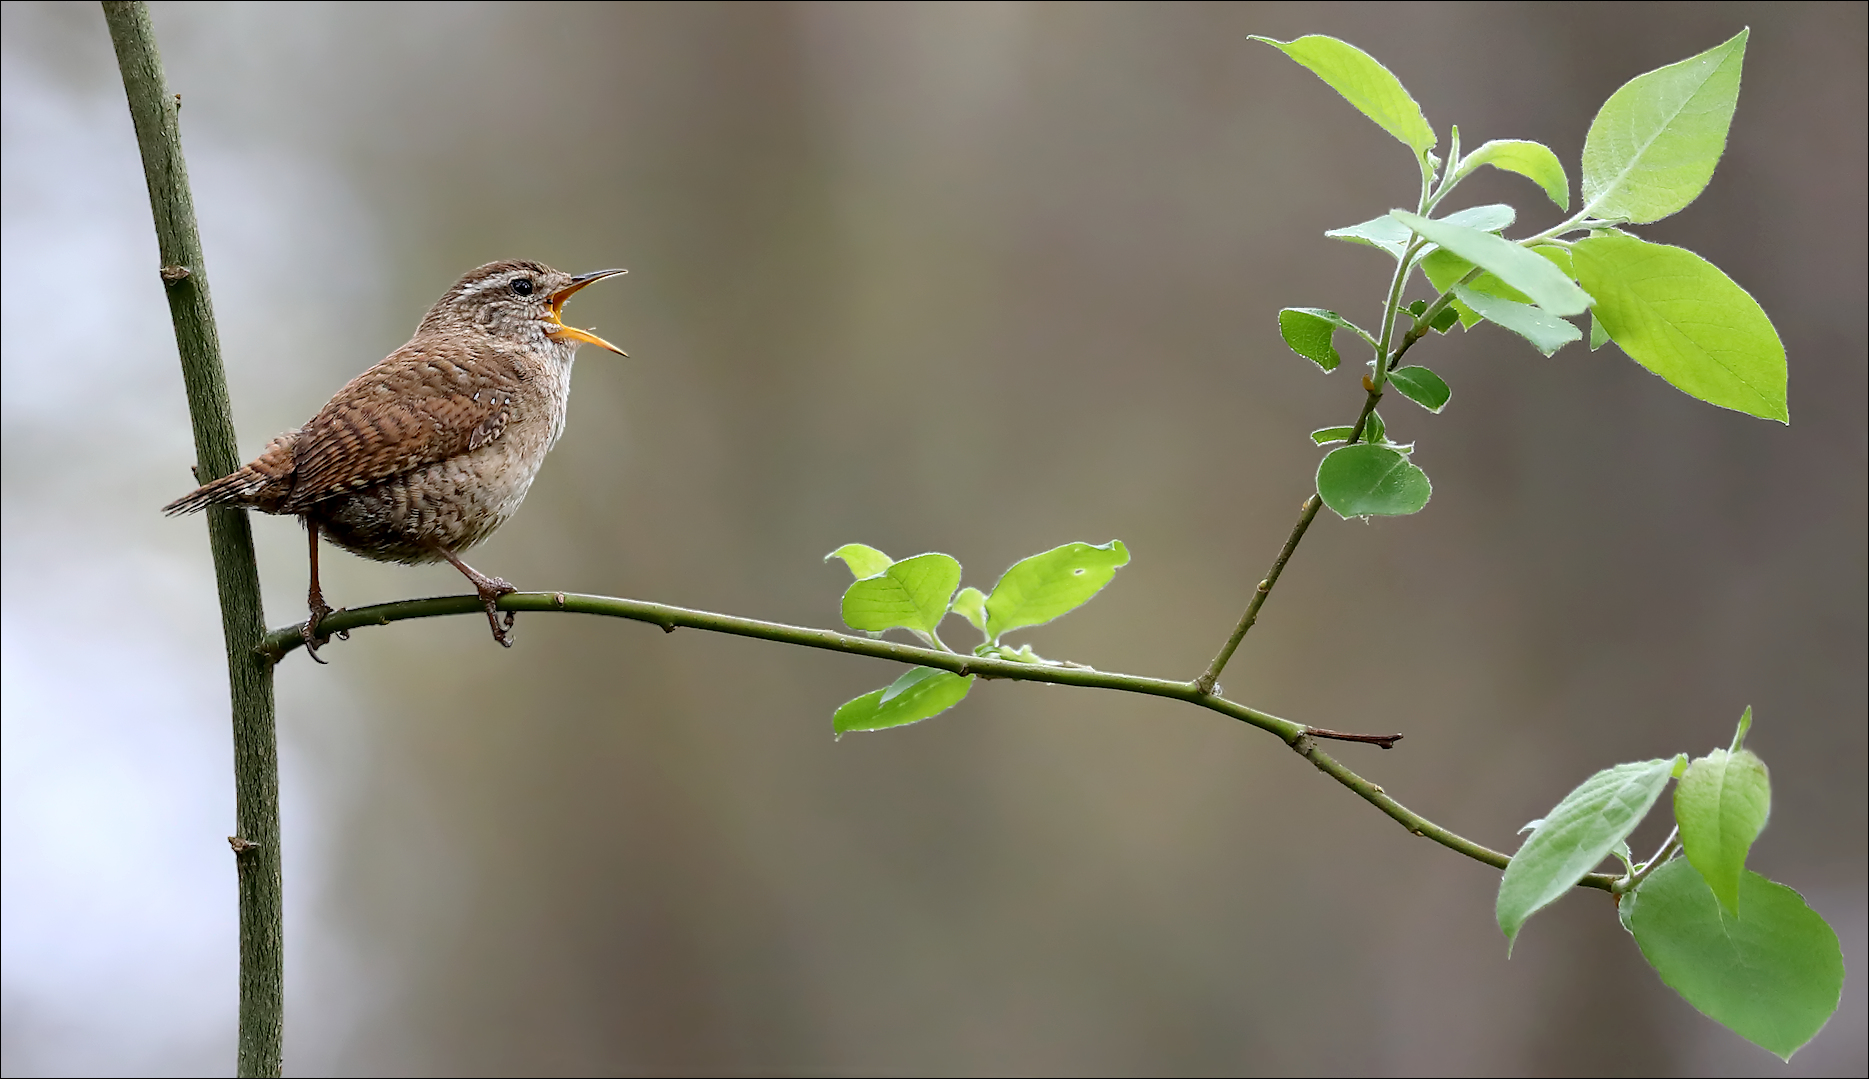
{"x":1421,"y":386}
{"x":970,"y":603}
{"x":1392,"y":236}
{"x":1383,"y":232}
{"x":911,"y":594}
{"x":1772,"y":976}
{"x":863,"y":561}
{"x":1739,"y":733}
{"x":1374,"y":431}
{"x":1522,"y":268}
{"x":1676,"y":314}
{"x":1532,"y":160}
{"x":1654,"y":143}
{"x":1446,"y":319}
{"x":1323,"y":436}
{"x":1371,"y":481}
{"x":1578,"y":833}
{"x":1444,"y":269}
{"x":1546,"y":333}
{"x":920,"y":693}
{"x":1307,"y":330}
{"x":1364,"y":83}
{"x":1040,"y":588}
{"x":1721,"y":805}
{"x":1598,"y":335}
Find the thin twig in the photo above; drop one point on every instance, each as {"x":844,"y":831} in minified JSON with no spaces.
{"x":1386,"y":741}
{"x":1206,"y":682}
{"x":1299,"y":737}
{"x":256,"y":761}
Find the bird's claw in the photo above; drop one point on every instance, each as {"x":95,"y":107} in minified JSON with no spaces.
{"x":490,"y":594}
{"x":309,"y":630}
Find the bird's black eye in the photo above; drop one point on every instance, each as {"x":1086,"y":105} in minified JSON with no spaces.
{"x":523,"y":286}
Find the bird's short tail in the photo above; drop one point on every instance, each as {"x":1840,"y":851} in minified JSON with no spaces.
{"x":262,"y":484}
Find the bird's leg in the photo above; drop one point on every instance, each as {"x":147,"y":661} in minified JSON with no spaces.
{"x":490,"y":590}
{"x":314,"y":599}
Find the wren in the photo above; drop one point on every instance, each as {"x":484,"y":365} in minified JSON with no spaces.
{"x":431,"y":450}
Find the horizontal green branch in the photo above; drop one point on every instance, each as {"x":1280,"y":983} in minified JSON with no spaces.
{"x":1298,"y":736}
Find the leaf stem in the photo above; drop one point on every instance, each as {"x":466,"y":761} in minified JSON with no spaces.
{"x":1632,"y":881}
{"x":256,"y":757}
{"x":1301,"y":738}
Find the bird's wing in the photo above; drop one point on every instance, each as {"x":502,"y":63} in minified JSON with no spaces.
{"x":424,"y":404}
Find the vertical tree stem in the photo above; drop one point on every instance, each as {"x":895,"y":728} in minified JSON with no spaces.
{"x":256,"y":764}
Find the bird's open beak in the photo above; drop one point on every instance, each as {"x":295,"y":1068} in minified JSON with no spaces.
{"x":559,"y":329}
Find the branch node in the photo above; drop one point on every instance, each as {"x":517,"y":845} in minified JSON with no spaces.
{"x":174,"y":275}
{"x":241,"y":845}
{"x":559,"y":598}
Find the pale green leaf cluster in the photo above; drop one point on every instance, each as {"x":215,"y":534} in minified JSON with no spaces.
{"x":1745,"y":951}
{"x":915,"y":594}
{"x":1742,"y":949}
{"x":1650,"y":151}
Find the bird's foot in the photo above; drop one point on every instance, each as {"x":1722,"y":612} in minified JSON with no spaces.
{"x":491,"y":589}
{"x":309,"y":629}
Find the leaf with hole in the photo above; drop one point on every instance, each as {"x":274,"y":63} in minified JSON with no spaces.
{"x":1676,"y":314}
{"x":1575,"y":836}
{"x":912,"y":594}
{"x":1040,"y":588}
{"x":1363,"y":82}
{"x":1532,"y":160}
{"x":1371,"y":481}
{"x":920,"y":693}
{"x":1654,"y":144}
{"x":1772,"y":975}
{"x":1421,"y":386}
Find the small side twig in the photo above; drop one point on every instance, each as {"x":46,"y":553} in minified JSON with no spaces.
{"x":1386,"y":741}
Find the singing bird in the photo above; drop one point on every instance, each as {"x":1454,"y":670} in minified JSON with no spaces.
{"x":431,"y":450}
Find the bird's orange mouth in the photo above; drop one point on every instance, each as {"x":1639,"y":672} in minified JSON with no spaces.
{"x":557,"y":328}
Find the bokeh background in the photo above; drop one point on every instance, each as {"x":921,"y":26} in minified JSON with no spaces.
{"x":974,"y":278}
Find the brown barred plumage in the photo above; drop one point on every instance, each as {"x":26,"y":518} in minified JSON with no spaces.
{"x":431,"y":450}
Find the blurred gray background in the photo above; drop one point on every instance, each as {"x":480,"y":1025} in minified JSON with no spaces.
{"x":974,"y":278}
